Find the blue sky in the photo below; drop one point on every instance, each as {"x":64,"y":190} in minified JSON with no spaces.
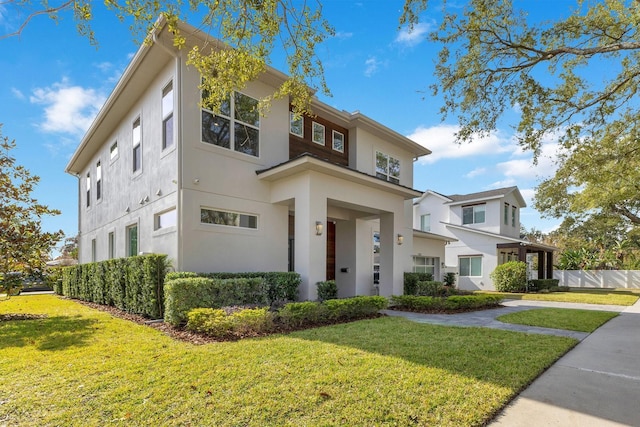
{"x":54,"y":82}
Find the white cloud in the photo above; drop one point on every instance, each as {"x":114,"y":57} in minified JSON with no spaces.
{"x":412,"y":37}
{"x":502,"y":184}
{"x":372,"y":65}
{"x":17,"y":93}
{"x":343,"y":35}
{"x":67,"y":109}
{"x":476,"y":172}
{"x":528,"y":195}
{"x":441,"y":141}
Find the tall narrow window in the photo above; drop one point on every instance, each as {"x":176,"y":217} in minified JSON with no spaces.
{"x":93,"y":250}
{"x":88,"y":181}
{"x":317,"y":133}
{"x":137,"y":146}
{"x":112,"y":245}
{"x":514,"y":212}
{"x":132,"y":240}
{"x":167,"y":116}
{"x":113,"y":151}
{"x":338,"y":141}
{"x":425,"y":222}
{"x":506,"y":214}
{"x":296,"y":125}
{"x":98,"y":181}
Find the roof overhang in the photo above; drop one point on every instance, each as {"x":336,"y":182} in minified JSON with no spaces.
{"x":432,"y":236}
{"x":307,"y":162}
{"x":509,"y":241}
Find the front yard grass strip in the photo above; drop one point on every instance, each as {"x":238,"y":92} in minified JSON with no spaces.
{"x":80,"y":366}
{"x":599,"y":296}
{"x":560,"y":318}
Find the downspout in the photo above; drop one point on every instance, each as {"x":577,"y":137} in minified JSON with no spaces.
{"x":177,"y":88}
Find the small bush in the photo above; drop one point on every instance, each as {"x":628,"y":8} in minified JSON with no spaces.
{"x":452,"y":303}
{"x":430,"y":289}
{"x":411,"y":280}
{"x":449,"y":279}
{"x":252,"y":321}
{"x":209,"y":321}
{"x":327,"y":290}
{"x":355,"y":307}
{"x":220,"y":323}
{"x":538,"y":285}
{"x":297,"y":314}
{"x":510,"y":277}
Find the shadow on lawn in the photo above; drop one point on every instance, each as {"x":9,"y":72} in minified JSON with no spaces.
{"x":49,"y":334}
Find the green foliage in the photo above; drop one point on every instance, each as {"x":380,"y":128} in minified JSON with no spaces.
{"x":451,"y":303}
{"x":356,"y":307}
{"x":297,"y":314}
{"x":537,"y":285}
{"x":237,"y":324}
{"x":411,"y":280}
{"x":133,"y":284}
{"x":431,"y":289}
{"x":449,"y":279}
{"x":10,"y":284}
{"x":24,"y":246}
{"x":327,"y":290}
{"x":183,"y":295}
{"x":308,"y":313}
{"x":510,"y":277}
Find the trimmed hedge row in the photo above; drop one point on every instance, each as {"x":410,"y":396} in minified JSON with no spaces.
{"x":185,"y":294}
{"x":133,"y":284}
{"x":278,"y":287}
{"x":411,"y":281}
{"x":452,"y":303}
{"x":542,"y":284}
{"x":225,"y":323}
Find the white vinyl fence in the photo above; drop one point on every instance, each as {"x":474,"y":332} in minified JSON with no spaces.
{"x":598,"y":278}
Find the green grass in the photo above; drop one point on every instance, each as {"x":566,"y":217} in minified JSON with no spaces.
{"x":80,"y":366}
{"x":578,"y":295}
{"x":560,"y":318}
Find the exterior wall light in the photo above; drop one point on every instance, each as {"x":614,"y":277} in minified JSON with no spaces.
{"x":400,"y":239}
{"x":319,"y":228}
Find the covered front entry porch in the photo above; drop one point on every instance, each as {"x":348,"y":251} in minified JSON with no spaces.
{"x":540,"y":264}
{"x":319,"y":193}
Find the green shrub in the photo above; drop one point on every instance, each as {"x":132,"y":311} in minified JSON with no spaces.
{"x":183,"y":295}
{"x":133,"y":284}
{"x":327,"y":290}
{"x":221,"y":324}
{"x":411,"y":280}
{"x":510,"y":277}
{"x":180,"y":275}
{"x":537,"y":285}
{"x":452,"y":303}
{"x":296,"y":314}
{"x":430,"y":289}
{"x":356,"y":307}
{"x":559,"y":289}
{"x":449,"y":279}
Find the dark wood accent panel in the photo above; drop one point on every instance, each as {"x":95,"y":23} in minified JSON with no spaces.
{"x":298,"y":145}
{"x":331,"y":250}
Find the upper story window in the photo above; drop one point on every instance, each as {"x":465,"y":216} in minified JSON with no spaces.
{"x":318,"y":133}
{"x":236,"y":127}
{"x":113,"y":151}
{"x":473,"y":214}
{"x":137,"y":145}
{"x":98,"y":180}
{"x":88,"y":182}
{"x":425,"y":222}
{"x":514,"y":213}
{"x":296,"y":125}
{"x":167,"y":116}
{"x":506,"y":214}
{"x":338,"y":141}
{"x":387,"y":168}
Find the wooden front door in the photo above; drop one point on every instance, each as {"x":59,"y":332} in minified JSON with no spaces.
{"x":331,"y":250}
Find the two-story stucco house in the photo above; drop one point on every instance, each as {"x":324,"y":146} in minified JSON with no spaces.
{"x":486,"y":229}
{"x":237,"y":191}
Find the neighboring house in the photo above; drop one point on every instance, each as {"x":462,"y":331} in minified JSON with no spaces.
{"x":486,"y":229}
{"x":241,"y":192}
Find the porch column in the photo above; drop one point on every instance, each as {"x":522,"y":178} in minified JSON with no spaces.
{"x":549,"y":265}
{"x":310,"y":248}
{"x":391,"y":274}
{"x":541,"y":261}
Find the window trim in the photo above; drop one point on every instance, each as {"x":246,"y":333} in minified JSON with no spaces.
{"x":315,"y":124}
{"x":469,"y":257}
{"x":94,"y":249}
{"x":422,"y":227}
{"x":166,"y":116}
{"x":292,"y":120}
{"x":333,"y":141}
{"x":232,"y":124}
{"x":136,"y":146}
{"x":506,"y":214}
{"x":128,"y":239}
{"x":114,"y":154}
{"x":484,"y":220}
{"x":99,"y":181}
{"x":387,"y":176}
{"x":224,"y":211}
{"x":88,"y":189}
{"x":111,"y":249}
{"x":514,"y":213}
{"x":426,"y":259}
{"x":157,"y":225}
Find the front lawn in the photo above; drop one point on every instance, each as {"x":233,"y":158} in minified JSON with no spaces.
{"x":560,"y":318}
{"x":578,"y":295}
{"x":79,"y":366}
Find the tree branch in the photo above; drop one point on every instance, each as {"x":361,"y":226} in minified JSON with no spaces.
{"x":47,"y":11}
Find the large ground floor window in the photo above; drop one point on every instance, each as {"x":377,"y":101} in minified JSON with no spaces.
{"x":422,"y":264}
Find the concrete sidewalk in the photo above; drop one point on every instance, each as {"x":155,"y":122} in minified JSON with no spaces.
{"x":595,"y":384}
